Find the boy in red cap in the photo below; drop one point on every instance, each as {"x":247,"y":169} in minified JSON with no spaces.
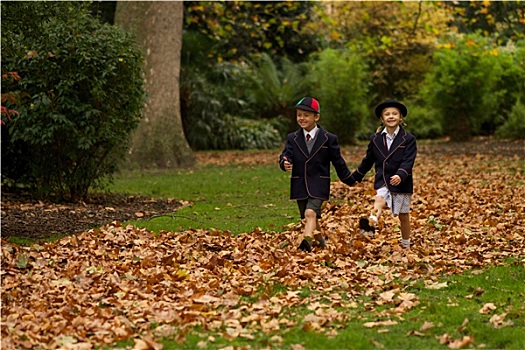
{"x":307,"y":154}
{"x":393,"y":151}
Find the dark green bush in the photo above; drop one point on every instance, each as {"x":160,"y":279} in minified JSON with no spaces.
{"x":82,"y":94}
{"x":339,"y":80}
{"x":511,"y":83}
{"x":222,"y":104}
{"x":462,"y":86}
{"x":255,"y":134}
{"x":423,"y":122}
{"x":273,"y":87}
{"x":514,"y":127}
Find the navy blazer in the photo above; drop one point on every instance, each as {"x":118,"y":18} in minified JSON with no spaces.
{"x":398,"y":161}
{"x":311,"y":171}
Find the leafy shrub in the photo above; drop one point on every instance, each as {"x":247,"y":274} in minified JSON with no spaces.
{"x":423,"y":122}
{"x":253,"y":134}
{"x":514,"y":127}
{"x":462,"y":86}
{"x":207,"y":92}
{"x":511,"y":83}
{"x":339,"y":80}
{"x":232,"y":105}
{"x":82,"y":94}
{"x":273,"y":87}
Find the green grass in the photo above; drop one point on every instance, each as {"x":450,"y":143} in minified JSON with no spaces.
{"x":237,"y":198}
{"x":26,"y":241}
{"x":446,"y":308}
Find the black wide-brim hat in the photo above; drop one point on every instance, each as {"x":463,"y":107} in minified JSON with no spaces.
{"x":391,"y":103}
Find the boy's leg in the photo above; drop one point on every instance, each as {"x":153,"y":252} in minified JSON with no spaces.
{"x":319,"y":235}
{"x":301,"y":204}
{"x":304,"y":239}
{"x":311,"y":222}
{"x":310,"y":213}
{"x":313,"y":208}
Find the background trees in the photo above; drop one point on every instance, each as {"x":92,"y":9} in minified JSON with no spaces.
{"x":400,"y":44}
{"x":504,"y":20}
{"x":396,"y":39}
{"x":240,"y":29}
{"x":238,"y":68}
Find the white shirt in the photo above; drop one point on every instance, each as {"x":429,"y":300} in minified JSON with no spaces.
{"x":390,"y":139}
{"x":312,"y":132}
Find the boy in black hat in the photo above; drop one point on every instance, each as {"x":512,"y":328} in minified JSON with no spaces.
{"x":307,"y":154}
{"x":393,"y":151}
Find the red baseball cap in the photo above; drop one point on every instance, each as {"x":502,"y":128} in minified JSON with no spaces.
{"x":309,"y":104}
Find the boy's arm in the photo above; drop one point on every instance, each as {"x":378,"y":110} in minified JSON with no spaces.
{"x":409,"y":158}
{"x":287,"y":153}
{"x":341,"y":168}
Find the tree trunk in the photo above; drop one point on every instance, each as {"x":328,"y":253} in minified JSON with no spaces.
{"x":159,"y":140}
{"x":457,"y":125}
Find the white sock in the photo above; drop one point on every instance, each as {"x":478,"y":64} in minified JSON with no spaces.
{"x":405,"y":242}
{"x":374,"y":219}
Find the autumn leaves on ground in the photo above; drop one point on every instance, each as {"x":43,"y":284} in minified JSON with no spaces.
{"x":121,"y":282}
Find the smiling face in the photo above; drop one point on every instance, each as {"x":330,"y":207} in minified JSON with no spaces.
{"x":391,"y":117}
{"x":306,"y":119}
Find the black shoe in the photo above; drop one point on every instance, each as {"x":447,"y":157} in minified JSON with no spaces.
{"x":364,"y":225}
{"x":305,"y":245}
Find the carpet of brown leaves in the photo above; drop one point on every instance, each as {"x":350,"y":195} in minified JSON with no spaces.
{"x":115,"y":282}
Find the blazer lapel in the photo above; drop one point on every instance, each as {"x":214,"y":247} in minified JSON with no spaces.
{"x":378,"y":142}
{"x":301,"y":142}
{"x":399,"y":140}
{"x":320,"y":139}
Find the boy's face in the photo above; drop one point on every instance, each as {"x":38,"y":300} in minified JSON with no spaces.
{"x":306,"y":119}
{"x":391,"y":117}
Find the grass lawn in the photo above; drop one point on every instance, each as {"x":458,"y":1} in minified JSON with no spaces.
{"x":237,"y":198}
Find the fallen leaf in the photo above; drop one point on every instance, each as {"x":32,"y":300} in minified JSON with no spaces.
{"x":380,"y":323}
{"x":426,"y":325}
{"x":497,"y":321}
{"x":204,"y":277}
{"x":436,"y":285}
{"x":488,"y":307}
{"x":460,"y":343}
{"x":413,"y":332}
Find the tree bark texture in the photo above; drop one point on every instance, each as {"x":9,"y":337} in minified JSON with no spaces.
{"x":159,"y":140}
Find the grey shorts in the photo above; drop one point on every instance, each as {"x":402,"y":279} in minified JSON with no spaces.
{"x":310,"y":203}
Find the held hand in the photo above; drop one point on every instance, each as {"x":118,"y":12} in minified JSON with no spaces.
{"x":287,"y":164}
{"x":395,"y":180}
